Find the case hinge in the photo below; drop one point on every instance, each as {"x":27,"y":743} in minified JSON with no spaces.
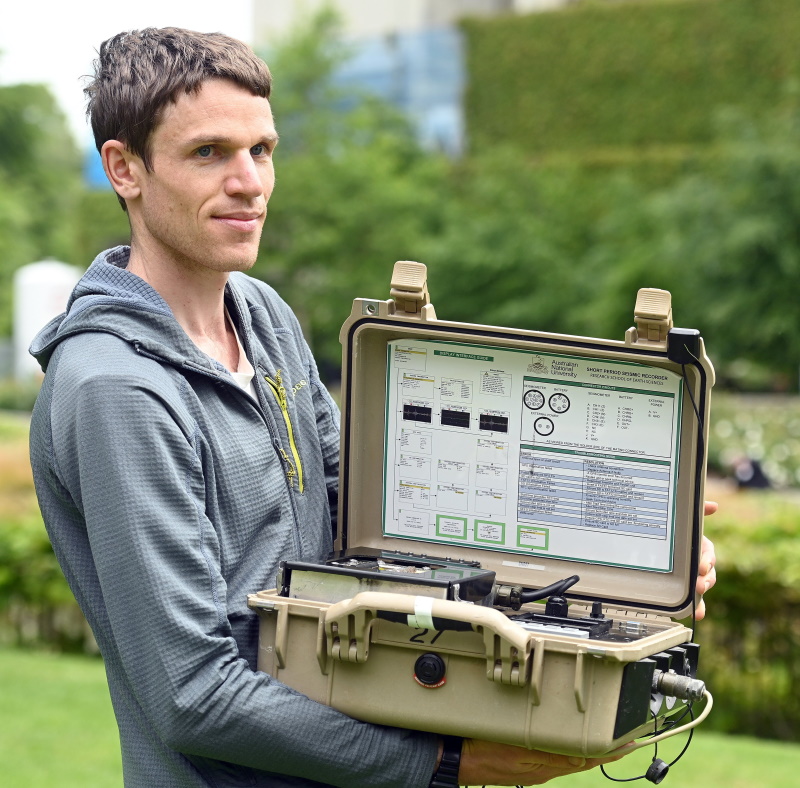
{"x":347,"y":637}
{"x":506,"y":663}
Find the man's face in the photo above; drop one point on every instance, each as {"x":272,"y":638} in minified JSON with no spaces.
{"x":205,"y":200}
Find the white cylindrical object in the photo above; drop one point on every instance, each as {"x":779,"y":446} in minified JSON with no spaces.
{"x":41,"y":291}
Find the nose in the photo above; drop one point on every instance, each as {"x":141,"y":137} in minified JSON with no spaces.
{"x":245,"y":177}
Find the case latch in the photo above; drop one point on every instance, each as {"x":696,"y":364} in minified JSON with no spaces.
{"x":347,"y":636}
{"x":410,"y":287}
{"x":653,"y":314}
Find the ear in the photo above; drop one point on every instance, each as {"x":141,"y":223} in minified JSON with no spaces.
{"x":123,"y":169}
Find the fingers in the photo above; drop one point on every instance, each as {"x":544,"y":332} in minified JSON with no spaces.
{"x":700,"y":610}
{"x":706,"y":572}
{"x":708,"y":560}
{"x":708,"y":580}
{"x":710,"y":507}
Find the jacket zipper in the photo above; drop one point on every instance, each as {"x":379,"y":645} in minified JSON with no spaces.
{"x":294,"y":470}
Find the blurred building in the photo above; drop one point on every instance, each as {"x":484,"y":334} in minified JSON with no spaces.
{"x":364,"y":19}
{"x":407,"y":52}
{"x":41,"y":291}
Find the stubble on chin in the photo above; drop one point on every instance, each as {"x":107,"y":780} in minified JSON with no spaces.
{"x":198,"y":251}
{"x":242,"y":259}
{"x":240,"y":256}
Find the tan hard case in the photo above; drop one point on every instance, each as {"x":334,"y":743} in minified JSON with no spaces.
{"x":503,"y":683}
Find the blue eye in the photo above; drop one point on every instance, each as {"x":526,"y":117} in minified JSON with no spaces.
{"x":258,"y":150}
{"x":205,"y":151}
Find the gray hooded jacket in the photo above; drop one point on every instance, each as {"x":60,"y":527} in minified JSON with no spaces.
{"x":170,"y":494}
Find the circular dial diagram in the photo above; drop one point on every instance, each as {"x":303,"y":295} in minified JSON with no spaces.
{"x":543,"y":426}
{"x":559,"y":403}
{"x":533,"y":399}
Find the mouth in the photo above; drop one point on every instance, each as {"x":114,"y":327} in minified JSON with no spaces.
{"x":243,"y":221}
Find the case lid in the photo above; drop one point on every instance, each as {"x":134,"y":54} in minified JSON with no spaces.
{"x":539,"y":455}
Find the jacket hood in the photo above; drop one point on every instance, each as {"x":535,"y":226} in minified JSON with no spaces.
{"x":109,"y":298}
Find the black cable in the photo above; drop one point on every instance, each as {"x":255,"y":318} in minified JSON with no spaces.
{"x":688,"y":710}
{"x":555,"y":589}
{"x":701,"y":445}
{"x":673,"y":722}
{"x":691,"y":396}
{"x":685,"y":746}
{"x":641,"y":776}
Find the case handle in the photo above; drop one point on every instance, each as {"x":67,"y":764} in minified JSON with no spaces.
{"x":507,"y":646}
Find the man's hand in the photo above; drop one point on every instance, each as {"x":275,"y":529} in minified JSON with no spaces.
{"x":489,"y":763}
{"x":706,"y":574}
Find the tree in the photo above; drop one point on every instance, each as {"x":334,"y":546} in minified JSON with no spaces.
{"x":354,"y":191}
{"x":558,"y":247}
{"x":725,"y":240}
{"x":40,"y":183}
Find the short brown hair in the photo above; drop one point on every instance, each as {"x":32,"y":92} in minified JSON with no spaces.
{"x":139,"y":72}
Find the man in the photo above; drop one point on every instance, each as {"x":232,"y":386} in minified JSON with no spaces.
{"x":177,"y":459}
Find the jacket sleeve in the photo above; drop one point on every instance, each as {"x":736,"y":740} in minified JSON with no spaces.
{"x":127,"y":451}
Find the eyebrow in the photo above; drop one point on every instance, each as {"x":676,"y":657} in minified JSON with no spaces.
{"x":205,"y":140}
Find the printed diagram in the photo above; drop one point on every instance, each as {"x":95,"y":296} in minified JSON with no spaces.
{"x":543,"y":426}
{"x":559,"y":403}
{"x":526,"y":452}
{"x":533,"y":399}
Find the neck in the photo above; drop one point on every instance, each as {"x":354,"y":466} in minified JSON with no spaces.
{"x":196,"y":297}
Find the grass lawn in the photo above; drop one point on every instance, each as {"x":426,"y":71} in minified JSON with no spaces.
{"x":56,"y":723}
{"x":712,"y":760}
{"x":57,"y":729}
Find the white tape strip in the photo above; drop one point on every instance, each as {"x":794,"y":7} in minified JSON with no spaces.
{"x":422,"y":618}
{"x":524,"y":565}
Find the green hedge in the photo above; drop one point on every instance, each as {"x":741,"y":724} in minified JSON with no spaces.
{"x":36,"y":605}
{"x":750,"y":642}
{"x":627,"y":74}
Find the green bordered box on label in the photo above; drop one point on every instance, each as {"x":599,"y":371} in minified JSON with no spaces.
{"x":535,"y":538}
{"x":489,"y":526}
{"x":451,"y":527}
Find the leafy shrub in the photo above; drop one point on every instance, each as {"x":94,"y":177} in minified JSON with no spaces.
{"x":36,"y":605}
{"x":39,"y":188}
{"x":18,"y":396}
{"x":750,"y":652}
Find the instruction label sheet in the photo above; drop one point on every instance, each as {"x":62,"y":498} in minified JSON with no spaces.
{"x":531,"y":453}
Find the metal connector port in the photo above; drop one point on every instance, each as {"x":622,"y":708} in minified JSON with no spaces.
{"x":671,"y":684}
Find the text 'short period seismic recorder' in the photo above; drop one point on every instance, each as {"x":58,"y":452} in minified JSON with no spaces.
{"x":520,"y":518}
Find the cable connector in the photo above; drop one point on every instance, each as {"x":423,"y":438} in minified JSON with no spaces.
{"x":657,"y":771}
{"x":674,"y":685}
{"x":508,"y":596}
{"x":683,"y":345}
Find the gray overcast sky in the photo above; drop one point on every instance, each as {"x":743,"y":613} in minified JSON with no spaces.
{"x":54,"y":41}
